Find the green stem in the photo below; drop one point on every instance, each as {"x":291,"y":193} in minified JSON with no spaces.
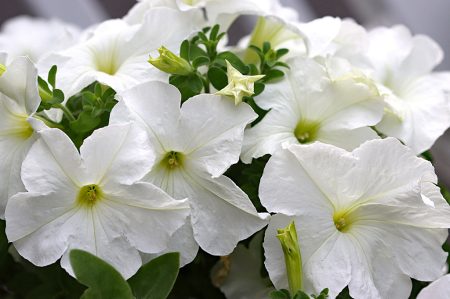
{"x":66,"y":111}
{"x":49,"y":122}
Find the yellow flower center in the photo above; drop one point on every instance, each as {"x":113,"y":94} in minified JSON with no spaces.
{"x":305,"y":132}
{"x":89,"y":195}
{"x":173,"y":159}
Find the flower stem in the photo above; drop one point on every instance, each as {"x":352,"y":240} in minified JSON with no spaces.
{"x":48,"y":122}
{"x":66,"y":111}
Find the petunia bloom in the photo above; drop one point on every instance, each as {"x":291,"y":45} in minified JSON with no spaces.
{"x":307,"y":105}
{"x":195,"y":145}
{"x":437,"y":289}
{"x":369,"y":219}
{"x":19,"y":100}
{"x":91,"y":200}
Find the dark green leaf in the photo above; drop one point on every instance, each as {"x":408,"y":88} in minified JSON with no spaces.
{"x":195,"y":51}
{"x":52,"y":76}
{"x":220,"y":36}
{"x":181,"y":82}
{"x":108,"y":93}
{"x":301,"y":295}
{"x":4,"y":245}
{"x":253,"y":70}
{"x":281,"y":53}
{"x":203,"y":36}
{"x":266,"y":47}
{"x":259,"y":88}
{"x":279,"y":63}
{"x":284,"y":291}
{"x":214,"y":31}
{"x":218,"y":78}
{"x":42,"y":84}
{"x":232,"y":58}
{"x":89,"y":98}
{"x":206,"y":29}
{"x":184,"y":50}
{"x":277,"y":295}
{"x":110,"y":105}
{"x":155,"y":279}
{"x":200,"y":61}
{"x":271,"y":63}
{"x":101,"y":278}
{"x":273,"y":74}
{"x":58,"y":97}
{"x":85,"y":122}
{"x":195,"y":83}
{"x":98,"y":90}
{"x":95,"y":112}
{"x":255,"y":48}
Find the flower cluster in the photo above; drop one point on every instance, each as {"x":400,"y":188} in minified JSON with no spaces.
{"x":146,"y":136}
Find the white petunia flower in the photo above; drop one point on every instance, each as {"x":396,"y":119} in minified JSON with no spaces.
{"x":195,"y":145}
{"x":439,"y":289}
{"x":369,"y":219}
{"x":117,"y":53}
{"x":91,"y":200}
{"x":307,"y":106}
{"x":19,"y":100}
{"x":243,"y":279}
{"x":416,"y":99}
{"x":34,"y":37}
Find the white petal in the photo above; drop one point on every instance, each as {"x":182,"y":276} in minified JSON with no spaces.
{"x":40,"y":224}
{"x":213,"y":140}
{"x":19,"y":83}
{"x":52,"y":164}
{"x":146,"y":214}
{"x":347,"y":139}
{"x":117,"y":153}
{"x":437,"y":289}
{"x":182,"y":241}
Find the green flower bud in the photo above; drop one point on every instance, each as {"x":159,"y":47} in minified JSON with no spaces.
{"x":171,"y":63}
{"x":292,"y":257}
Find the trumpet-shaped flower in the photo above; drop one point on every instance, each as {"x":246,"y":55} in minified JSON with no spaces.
{"x":416,"y":99}
{"x":19,"y":100}
{"x":437,"y":289}
{"x":369,"y":219}
{"x":91,"y":200}
{"x":238,"y":85}
{"x":194,"y":146}
{"x":34,"y":37}
{"x":307,"y":106}
{"x":117,"y":53}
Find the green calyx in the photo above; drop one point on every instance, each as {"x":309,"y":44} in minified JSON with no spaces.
{"x":305,"y":132}
{"x":89,"y":195}
{"x":171,"y":63}
{"x":292,"y":257}
{"x":173,"y":159}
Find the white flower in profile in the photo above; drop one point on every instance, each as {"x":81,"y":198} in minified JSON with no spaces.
{"x":416,"y":99}
{"x":117,"y":53}
{"x":19,"y":100}
{"x":195,"y":145}
{"x":243,"y":279}
{"x":91,"y":200}
{"x":369,"y":219}
{"x":439,"y":289}
{"x":307,"y":106}
{"x":34,"y":37}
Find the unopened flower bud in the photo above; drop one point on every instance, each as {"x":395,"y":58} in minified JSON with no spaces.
{"x":171,"y":63}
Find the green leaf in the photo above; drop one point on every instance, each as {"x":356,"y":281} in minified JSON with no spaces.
{"x":266,"y":47}
{"x":85,"y":122}
{"x":203,"y":36}
{"x":218,"y":78}
{"x":95,"y":112}
{"x":102,"y":279}
{"x":206,"y":29}
{"x":279,"y":63}
{"x":221,"y":35}
{"x":195,"y":51}
{"x":98,"y":90}
{"x":110,"y":105}
{"x":214,"y":31}
{"x":200,"y":61}
{"x":281,"y":53}
{"x":155,"y":279}
{"x":301,"y":295}
{"x":42,"y":84}
{"x":235,"y":61}
{"x":89,"y":98}
{"x":253,"y":70}
{"x":255,"y":48}
{"x":108,"y":93}
{"x":277,"y":295}
{"x":52,"y":76}
{"x":273,"y":74}
{"x":284,"y":291}
{"x":259,"y":88}
{"x":181,"y":82}
{"x":58,"y":97}
{"x":184,"y":50}
{"x":195,"y":83}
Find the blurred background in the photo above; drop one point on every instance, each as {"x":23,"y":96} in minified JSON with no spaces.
{"x":429,"y":17}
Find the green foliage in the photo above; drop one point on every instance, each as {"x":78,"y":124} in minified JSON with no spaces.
{"x":268,"y":60}
{"x":155,"y":279}
{"x":284,"y":294}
